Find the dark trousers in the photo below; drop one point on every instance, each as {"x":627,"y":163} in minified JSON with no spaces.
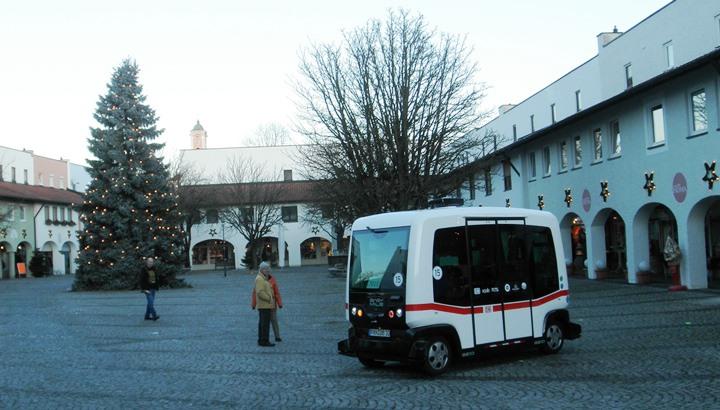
{"x":264,"y":325}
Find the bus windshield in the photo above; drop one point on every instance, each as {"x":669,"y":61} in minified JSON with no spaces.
{"x":378,"y":259}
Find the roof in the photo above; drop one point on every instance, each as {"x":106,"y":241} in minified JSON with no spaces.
{"x":280,"y":192}
{"x":712,"y":57}
{"x":198,"y":127}
{"x":416,"y":218}
{"x":35,"y":193}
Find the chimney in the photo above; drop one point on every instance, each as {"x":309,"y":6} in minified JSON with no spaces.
{"x":606,"y":38}
{"x":505,"y":108}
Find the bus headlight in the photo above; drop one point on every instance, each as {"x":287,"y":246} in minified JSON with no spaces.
{"x":399,"y":313}
{"x":360,"y":313}
{"x":353,"y":311}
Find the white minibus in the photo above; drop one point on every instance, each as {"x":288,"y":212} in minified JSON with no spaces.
{"x":432,"y":286}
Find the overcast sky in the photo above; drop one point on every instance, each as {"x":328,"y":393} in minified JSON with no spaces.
{"x":229,"y":63}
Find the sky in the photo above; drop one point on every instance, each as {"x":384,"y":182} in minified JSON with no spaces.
{"x":230,"y":64}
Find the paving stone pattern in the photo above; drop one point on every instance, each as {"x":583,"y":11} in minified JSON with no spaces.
{"x":642,"y":347}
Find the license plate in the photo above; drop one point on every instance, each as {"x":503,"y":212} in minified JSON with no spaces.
{"x":379,"y":332}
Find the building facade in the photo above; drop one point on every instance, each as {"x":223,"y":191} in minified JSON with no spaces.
{"x":623,"y":150}
{"x":293,"y":242}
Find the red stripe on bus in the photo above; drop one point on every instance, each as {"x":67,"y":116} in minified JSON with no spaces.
{"x":440,"y":308}
{"x":420,"y":307}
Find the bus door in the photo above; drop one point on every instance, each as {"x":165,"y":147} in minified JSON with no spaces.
{"x":485,"y":279}
{"x":513,"y":263}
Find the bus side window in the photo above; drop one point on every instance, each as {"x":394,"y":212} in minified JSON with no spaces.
{"x":512,"y":252}
{"x":543,"y":263}
{"x":450,"y":256}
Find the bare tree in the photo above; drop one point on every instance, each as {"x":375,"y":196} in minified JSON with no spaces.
{"x":253,"y":200}
{"x":387,"y":114}
{"x":330,"y":219}
{"x":187,"y":181}
{"x":269,"y":135}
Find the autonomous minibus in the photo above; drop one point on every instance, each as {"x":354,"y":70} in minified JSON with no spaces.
{"x":432,"y":286}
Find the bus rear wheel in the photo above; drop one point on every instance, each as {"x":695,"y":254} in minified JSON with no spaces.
{"x":370,"y":363}
{"x":554,"y":338}
{"x":436,"y":357}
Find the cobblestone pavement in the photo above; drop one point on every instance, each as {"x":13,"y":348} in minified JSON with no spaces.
{"x":642,"y":347}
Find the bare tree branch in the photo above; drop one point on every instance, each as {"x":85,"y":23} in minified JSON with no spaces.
{"x":271,"y":134}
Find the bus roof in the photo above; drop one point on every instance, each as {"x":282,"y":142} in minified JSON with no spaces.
{"x":408,"y":218}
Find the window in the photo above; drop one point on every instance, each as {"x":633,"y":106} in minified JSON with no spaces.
{"x":247,"y":214}
{"x":25,"y":176}
{"x":507,"y":175}
{"x":514,"y":132}
{"x":11,"y":213}
{"x":699,"y":113}
{"x":21,"y":212}
{"x":212,"y":216}
{"x":615,"y":143}
{"x":12,"y":174}
{"x":488,"y":182}
{"x":69,"y":214}
{"x":532,"y":166}
{"x":51,"y":181}
{"x":471,"y":186}
{"x":578,"y":101}
{"x":578,"y":151}
{"x":62,"y":183}
{"x":532,"y":123}
{"x":543,"y":263}
{"x":40,"y":178}
{"x":658,"y":124}
{"x":597,"y":144}
{"x":289,"y":213}
{"x":450,"y":256}
{"x":287,"y":175}
{"x":552,"y":113}
{"x":564,"y":155}
{"x":669,"y":54}
{"x":55,"y":213}
{"x":61,"y":212}
{"x":47,"y":213}
{"x":546,"y":161}
{"x":377,"y":257}
{"x":628,"y":76}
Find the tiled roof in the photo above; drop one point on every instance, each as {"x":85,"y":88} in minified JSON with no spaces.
{"x":250,"y":193}
{"x":35,"y":193}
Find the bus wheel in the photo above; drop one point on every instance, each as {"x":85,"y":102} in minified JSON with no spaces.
{"x":437,"y":356}
{"x":554,"y":338}
{"x":370,"y":363}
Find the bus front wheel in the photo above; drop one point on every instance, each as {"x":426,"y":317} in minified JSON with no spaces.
{"x":436,"y":357}
{"x":554,"y":337}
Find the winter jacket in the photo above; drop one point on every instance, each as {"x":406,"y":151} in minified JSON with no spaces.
{"x":264,"y":292}
{"x":276,"y":293}
{"x":149,"y":278}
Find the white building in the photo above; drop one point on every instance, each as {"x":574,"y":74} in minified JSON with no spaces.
{"x":617,"y":149}
{"x":294,"y":242}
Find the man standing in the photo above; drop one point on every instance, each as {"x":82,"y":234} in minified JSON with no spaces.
{"x":273,"y":312}
{"x":149,"y":285}
{"x":265,"y":304}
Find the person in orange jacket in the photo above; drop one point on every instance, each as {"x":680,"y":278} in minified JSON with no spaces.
{"x":278,"y":304}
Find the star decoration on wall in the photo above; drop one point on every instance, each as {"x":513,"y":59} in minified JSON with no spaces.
{"x":541,"y":202}
{"x":507,"y":203}
{"x":68,"y":234}
{"x":23,"y":233}
{"x":604,"y":191}
{"x":3,"y":232}
{"x":649,"y":183}
{"x":315,"y":230}
{"x":568,"y":197}
{"x":710,"y":176}
{"x":49,"y":233}
{"x":213,"y":232}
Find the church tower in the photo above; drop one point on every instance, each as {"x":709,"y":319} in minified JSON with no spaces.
{"x":198,"y":137}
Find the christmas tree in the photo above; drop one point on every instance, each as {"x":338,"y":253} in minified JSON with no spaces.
{"x":130,"y":210}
